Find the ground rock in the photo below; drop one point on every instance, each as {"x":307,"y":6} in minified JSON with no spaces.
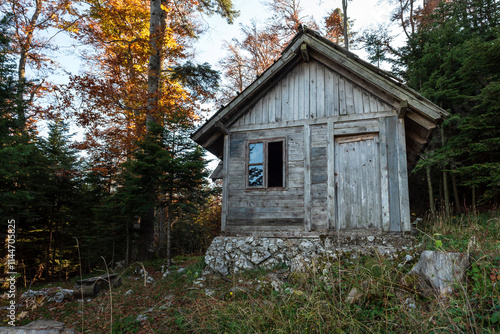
{"x":39,"y":327}
{"x":440,"y":270}
{"x":353,"y":296}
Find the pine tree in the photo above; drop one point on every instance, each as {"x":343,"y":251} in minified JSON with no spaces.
{"x":170,"y":166}
{"x":453,"y":60}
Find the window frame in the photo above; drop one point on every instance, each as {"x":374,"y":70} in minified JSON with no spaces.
{"x":265,"y":163}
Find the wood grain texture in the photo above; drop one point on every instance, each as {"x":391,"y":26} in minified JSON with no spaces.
{"x":307,"y":178}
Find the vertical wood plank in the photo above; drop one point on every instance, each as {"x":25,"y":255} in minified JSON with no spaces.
{"x":296,"y":93}
{"x":312,"y":90}
{"x":335,"y":94}
{"x":392,"y":161}
{"x":330,"y":152}
{"x":292,"y":97}
{"x":358,"y":100}
{"x":366,"y":103}
{"x":272,"y":105}
{"x":265,"y":109}
{"x":384,"y":178}
{"x":277,"y":102}
{"x":307,"y":179}
{"x":404,"y":201}
{"x":349,"y":97}
{"x":373,"y":104}
{"x":328,"y":93}
{"x":259,"y":112}
{"x":225,"y":185}
{"x":320,"y":93}
{"x":300,"y":106}
{"x":253,"y":118}
{"x":285,"y":107}
{"x":339,"y":162}
{"x":307,"y":82}
{"x":342,"y":104}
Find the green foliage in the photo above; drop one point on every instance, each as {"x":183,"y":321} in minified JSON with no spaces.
{"x":453,"y":60}
{"x":127,"y":324}
{"x":168,"y":174}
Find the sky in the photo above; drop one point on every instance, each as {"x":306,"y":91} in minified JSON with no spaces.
{"x":209,"y":47}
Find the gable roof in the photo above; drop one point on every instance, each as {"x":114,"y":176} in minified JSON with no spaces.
{"x":421,"y":115}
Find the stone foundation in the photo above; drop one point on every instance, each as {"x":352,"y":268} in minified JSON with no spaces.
{"x":232,"y":254}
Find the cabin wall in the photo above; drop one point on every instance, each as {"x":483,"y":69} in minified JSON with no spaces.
{"x":262,"y":209}
{"x":345,"y":159}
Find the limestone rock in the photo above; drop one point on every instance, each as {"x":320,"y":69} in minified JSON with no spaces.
{"x":233,"y":254}
{"x":441,"y":269}
{"x":39,"y":327}
{"x":259,"y":255}
{"x":353,"y":296}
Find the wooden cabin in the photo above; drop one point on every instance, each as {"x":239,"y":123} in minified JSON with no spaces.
{"x":320,"y":143}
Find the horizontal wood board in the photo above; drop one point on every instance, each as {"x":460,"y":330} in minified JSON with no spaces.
{"x":262,"y":207}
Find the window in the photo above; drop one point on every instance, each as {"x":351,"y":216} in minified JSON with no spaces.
{"x":266,"y":164}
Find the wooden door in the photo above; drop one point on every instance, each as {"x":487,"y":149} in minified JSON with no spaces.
{"x":357,"y":169}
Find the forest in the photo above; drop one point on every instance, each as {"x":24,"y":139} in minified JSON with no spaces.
{"x":135,"y":187}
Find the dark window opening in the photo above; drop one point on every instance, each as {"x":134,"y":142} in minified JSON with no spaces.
{"x":275,"y":164}
{"x":266,"y":164}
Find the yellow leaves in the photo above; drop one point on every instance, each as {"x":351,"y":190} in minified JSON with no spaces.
{"x":165,"y":8}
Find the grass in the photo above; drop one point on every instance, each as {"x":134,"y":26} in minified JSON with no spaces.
{"x":311,"y":302}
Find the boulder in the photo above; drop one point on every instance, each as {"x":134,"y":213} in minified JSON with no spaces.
{"x":39,"y":327}
{"x":439,"y":270}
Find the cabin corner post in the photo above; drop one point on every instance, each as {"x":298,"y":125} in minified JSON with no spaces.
{"x":225,"y":183}
{"x":331,"y":210}
{"x":307,"y":179}
{"x":403,"y":177}
{"x":384,"y":176}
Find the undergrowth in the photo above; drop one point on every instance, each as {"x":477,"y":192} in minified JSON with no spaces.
{"x":352,"y":293}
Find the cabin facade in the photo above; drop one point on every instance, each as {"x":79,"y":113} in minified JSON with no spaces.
{"x":320,"y":143}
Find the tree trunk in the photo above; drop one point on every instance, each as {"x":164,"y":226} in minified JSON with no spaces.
{"x":156,"y":32}
{"x":147,"y":233}
{"x":455,"y":193}
{"x":127,"y":245}
{"x":49,"y":247}
{"x":445,"y":182}
{"x":157,"y":27}
{"x":346,"y":38}
{"x":23,"y":57}
{"x":474,"y":199}
{"x":446,"y":194}
{"x":169,"y":229}
{"x":432,"y":207}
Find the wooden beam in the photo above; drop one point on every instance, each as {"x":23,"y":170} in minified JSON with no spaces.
{"x":304,"y":52}
{"x":403,"y":106}
{"x":420,"y":120}
{"x":221,"y":127}
{"x":211,"y":139}
{"x":384,"y":177}
{"x":225,"y":184}
{"x":307,"y":179}
{"x":331,"y":207}
{"x":404,"y":197}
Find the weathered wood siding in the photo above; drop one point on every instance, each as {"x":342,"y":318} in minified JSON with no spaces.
{"x":261,"y":209}
{"x":319,"y":177}
{"x":358,"y":182}
{"x":311,"y":91}
{"x":345,"y":158}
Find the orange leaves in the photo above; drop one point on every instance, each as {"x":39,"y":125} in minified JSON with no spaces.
{"x":334,"y":23}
